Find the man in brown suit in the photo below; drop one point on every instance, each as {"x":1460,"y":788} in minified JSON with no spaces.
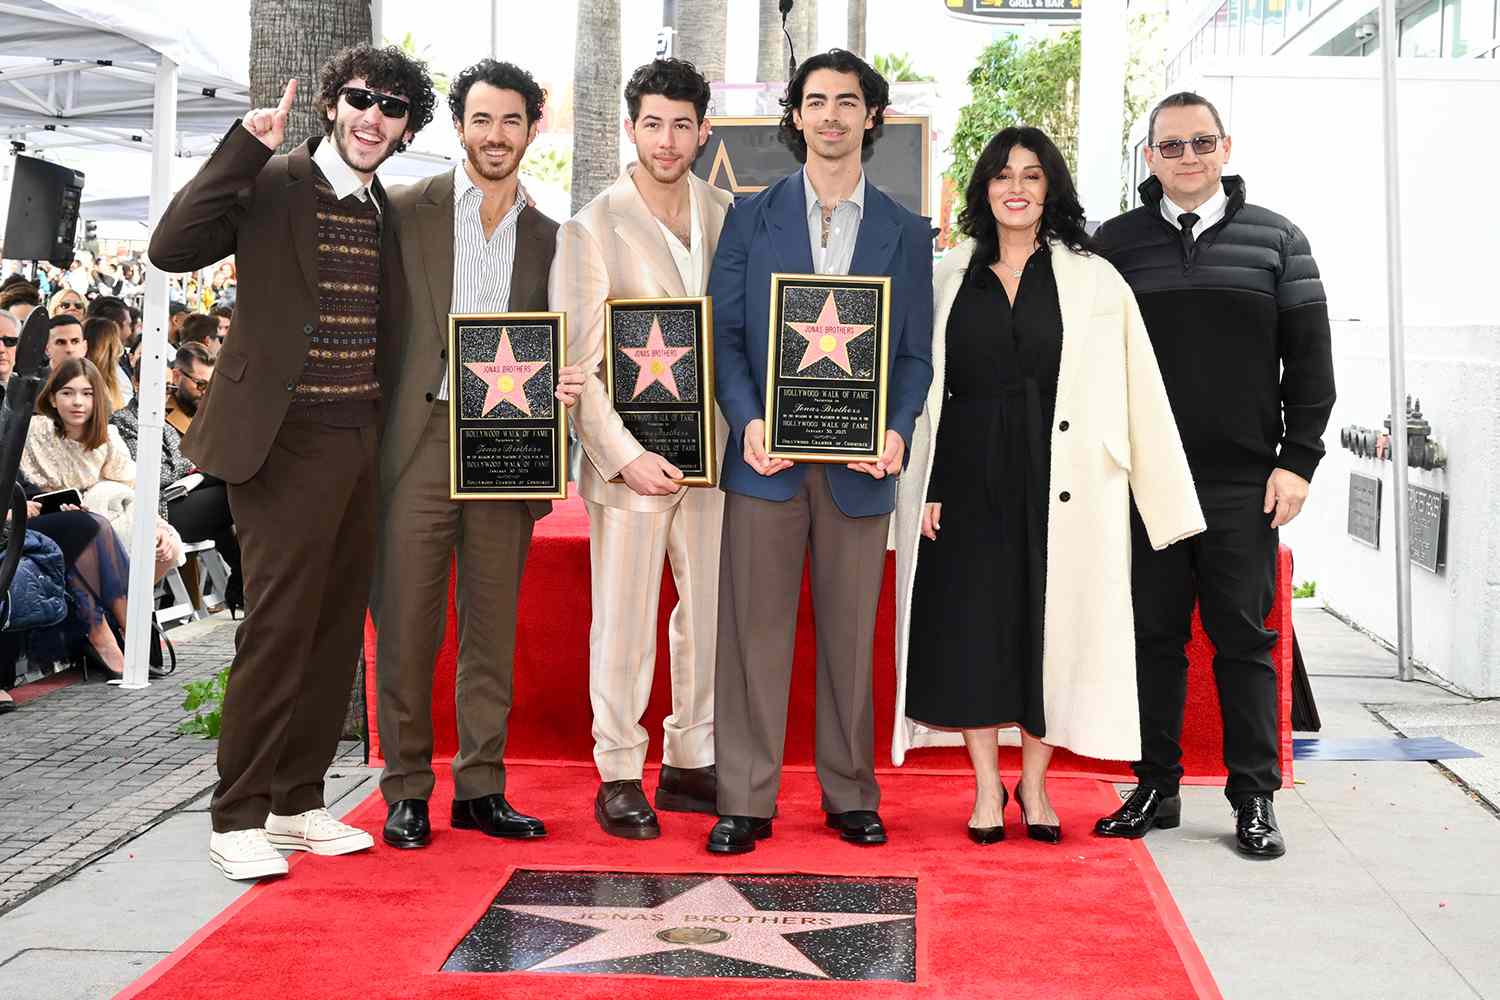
{"x":290,"y":423}
{"x":470,"y":242}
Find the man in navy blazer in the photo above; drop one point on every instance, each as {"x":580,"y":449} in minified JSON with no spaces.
{"x":824,"y":219}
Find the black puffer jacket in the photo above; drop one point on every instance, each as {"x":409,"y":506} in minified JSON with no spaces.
{"x":1240,"y":328}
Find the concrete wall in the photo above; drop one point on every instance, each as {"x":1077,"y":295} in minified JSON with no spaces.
{"x":1455,"y":372}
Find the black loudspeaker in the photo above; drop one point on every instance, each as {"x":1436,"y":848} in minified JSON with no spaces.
{"x":43,"y":220}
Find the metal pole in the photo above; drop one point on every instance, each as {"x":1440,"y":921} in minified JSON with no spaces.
{"x":1389,"y":43}
{"x":1101,"y":107}
{"x":152,"y":394}
{"x":494,"y":29}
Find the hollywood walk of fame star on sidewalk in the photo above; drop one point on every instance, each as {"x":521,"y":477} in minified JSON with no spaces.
{"x":828,"y":337}
{"x":655,"y":360}
{"x":713,"y":917}
{"x":505,"y":378}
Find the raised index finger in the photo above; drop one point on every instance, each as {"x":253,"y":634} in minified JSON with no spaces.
{"x":288,"y":96}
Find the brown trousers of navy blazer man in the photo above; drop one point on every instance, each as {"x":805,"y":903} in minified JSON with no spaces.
{"x":422,"y":529}
{"x":301,"y":474}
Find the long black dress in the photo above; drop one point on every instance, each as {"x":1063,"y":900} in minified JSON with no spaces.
{"x":975,"y":654}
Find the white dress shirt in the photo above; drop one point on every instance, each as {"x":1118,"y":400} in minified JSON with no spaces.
{"x":339,"y":175}
{"x":843,"y":230}
{"x":689,"y":260}
{"x":1209,"y":213}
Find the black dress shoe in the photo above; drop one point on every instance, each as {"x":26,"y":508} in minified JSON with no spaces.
{"x":622,"y":811}
{"x":688,"y":789}
{"x":492,"y":815}
{"x":737,"y":834}
{"x":1255,"y":829}
{"x":859,"y":826}
{"x":406,"y":824}
{"x":1144,"y":809}
{"x":992,"y":834}
{"x":1037,"y":831}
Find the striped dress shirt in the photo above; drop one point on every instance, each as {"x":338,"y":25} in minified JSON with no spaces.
{"x":481,"y":267}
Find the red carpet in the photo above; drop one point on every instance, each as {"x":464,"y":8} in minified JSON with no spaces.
{"x":551,"y":719}
{"x":1088,"y":918}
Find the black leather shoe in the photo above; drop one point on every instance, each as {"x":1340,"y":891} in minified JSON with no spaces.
{"x":492,"y":815}
{"x":622,"y":811}
{"x":688,"y":790}
{"x":1255,"y":829}
{"x":1144,"y":809}
{"x":1047,"y":834}
{"x":992,"y":834}
{"x":737,"y":834}
{"x":859,"y":826}
{"x":406,"y":824}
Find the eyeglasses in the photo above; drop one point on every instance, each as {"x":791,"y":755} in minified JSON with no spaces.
{"x":71,"y":307}
{"x":10,"y":341}
{"x":360,"y":100}
{"x":201,"y":383}
{"x":1171,"y":149}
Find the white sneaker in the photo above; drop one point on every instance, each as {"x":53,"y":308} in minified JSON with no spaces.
{"x":245,"y":854}
{"x":316,"y":831}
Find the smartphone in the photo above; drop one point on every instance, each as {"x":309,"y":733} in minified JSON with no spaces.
{"x":53,"y":502}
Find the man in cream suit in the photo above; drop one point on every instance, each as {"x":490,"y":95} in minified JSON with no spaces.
{"x":650,"y":235}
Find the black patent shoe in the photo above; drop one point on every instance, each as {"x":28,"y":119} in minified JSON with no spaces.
{"x":1046,"y":833}
{"x":1255,"y":831}
{"x":737,"y":834}
{"x":688,"y":789}
{"x":1145,"y":809}
{"x":858,"y":826}
{"x":622,"y":811}
{"x":493,"y":816}
{"x":406,"y":824}
{"x":992,"y":834}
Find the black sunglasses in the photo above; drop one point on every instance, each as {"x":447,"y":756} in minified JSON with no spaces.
{"x":10,"y":341}
{"x":201,"y":383}
{"x":1171,"y":149}
{"x":360,"y":99}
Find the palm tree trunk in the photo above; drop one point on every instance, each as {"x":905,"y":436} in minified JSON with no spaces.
{"x":700,"y":35}
{"x":770,"y":63}
{"x":294,"y":38}
{"x":857,"y":18}
{"x":804,"y":25}
{"x":596,"y":100}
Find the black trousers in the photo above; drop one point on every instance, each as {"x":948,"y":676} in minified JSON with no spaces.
{"x":204,"y":514}
{"x":1231,"y":570}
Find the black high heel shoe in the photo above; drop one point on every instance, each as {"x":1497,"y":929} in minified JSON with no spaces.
{"x":92,"y":660}
{"x":1037,"y":831}
{"x":992,"y":834}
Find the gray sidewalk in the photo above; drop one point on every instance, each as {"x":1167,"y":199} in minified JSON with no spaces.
{"x":1391,"y":887}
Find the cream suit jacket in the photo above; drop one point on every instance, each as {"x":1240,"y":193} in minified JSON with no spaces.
{"x":613,"y":249}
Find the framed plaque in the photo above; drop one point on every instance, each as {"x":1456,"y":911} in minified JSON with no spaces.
{"x":659,"y":373}
{"x":1364,"y":509}
{"x":507,"y":433}
{"x":826,"y":367}
{"x":1427,"y":527}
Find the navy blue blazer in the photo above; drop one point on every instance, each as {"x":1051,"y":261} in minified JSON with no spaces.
{"x":768,"y":233}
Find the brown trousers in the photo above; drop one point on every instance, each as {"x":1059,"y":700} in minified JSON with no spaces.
{"x":760,"y":583}
{"x":421,"y":527}
{"x":306,"y":524}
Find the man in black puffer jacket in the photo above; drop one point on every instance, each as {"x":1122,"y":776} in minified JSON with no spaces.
{"x":1235,"y":310}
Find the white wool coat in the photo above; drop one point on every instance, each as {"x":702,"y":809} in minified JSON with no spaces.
{"x":1121,"y":440}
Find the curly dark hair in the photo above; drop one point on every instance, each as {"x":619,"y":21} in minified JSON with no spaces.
{"x":1062,"y":214}
{"x":505,"y":76}
{"x":388,"y":70}
{"x":674,"y":79}
{"x":877,"y":95}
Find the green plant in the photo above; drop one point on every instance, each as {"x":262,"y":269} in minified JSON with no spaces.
{"x":408,"y":45}
{"x":205,"y":699}
{"x":1145,"y":80}
{"x":549,"y":166}
{"x":1308,"y":588}
{"x":1019,"y":83}
{"x":898,"y":69}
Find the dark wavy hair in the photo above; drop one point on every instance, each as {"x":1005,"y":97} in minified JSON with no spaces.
{"x":1062,"y":214}
{"x":388,"y":70}
{"x":877,"y":95}
{"x":674,"y":79}
{"x":503,"y":75}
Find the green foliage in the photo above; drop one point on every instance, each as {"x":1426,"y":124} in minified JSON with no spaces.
{"x":1020,"y":83}
{"x":549,"y":166}
{"x":898,"y":69}
{"x":1145,"y":80}
{"x":205,"y":699}
{"x":408,"y":45}
{"x":1308,"y":588}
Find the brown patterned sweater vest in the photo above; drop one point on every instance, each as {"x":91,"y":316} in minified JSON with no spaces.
{"x":338,"y":384}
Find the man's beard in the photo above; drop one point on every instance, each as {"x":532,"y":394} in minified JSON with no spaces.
{"x":344,"y":141}
{"x":185,"y":403}
{"x":685,"y":165}
{"x":476,"y":160}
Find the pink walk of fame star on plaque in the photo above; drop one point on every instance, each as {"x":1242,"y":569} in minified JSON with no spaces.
{"x":655,"y":360}
{"x":505,"y":377}
{"x":828,"y":338}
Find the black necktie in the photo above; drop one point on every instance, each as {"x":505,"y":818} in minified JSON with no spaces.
{"x":1187,"y":220}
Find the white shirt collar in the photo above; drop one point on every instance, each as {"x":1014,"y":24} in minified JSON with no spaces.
{"x":857,"y":197}
{"x":1209,"y":213}
{"x":339,"y":175}
{"x":463,"y":184}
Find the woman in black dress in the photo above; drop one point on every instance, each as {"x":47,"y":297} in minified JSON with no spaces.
{"x":975,"y":653}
